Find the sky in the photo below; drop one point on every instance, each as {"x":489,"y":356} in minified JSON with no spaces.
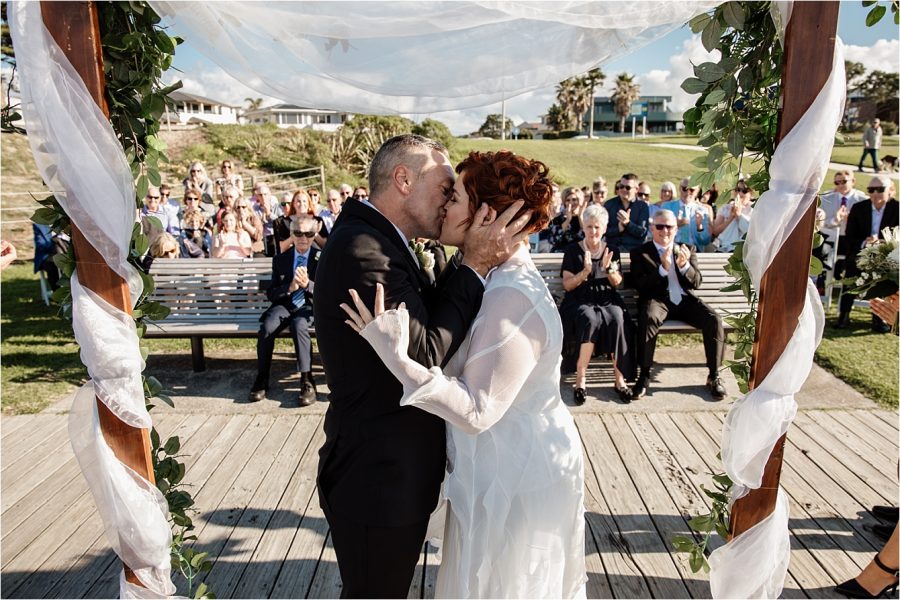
{"x":659,"y":67}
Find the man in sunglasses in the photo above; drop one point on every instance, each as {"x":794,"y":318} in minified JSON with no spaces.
{"x":693,"y":220}
{"x":665,"y":275}
{"x":291,"y":293}
{"x":628,"y":216}
{"x":865,"y":223}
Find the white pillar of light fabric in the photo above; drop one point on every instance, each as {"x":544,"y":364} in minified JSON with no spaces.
{"x":753,"y":565}
{"x":77,"y":152}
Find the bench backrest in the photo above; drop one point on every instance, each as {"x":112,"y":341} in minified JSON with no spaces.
{"x":214,"y":289}
{"x":711,"y":268}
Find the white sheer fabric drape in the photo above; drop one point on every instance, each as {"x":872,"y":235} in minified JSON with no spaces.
{"x":77,"y":152}
{"x":754,"y":564}
{"x":415,"y":57}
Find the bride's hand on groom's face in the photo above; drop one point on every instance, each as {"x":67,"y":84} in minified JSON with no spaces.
{"x":492,"y":239}
{"x":361,"y":317}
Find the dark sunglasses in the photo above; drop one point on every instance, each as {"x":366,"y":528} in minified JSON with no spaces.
{"x":879,"y":189}
{"x":165,"y":194}
{"x":196,"y":171}
{"x":191,"y":198}
{"x":663,"y":227}
{"x":642,"y":195}
{"x":360,"y":197}
{"x":741,"y":190}
{"x":684,"y":189}
{"x":309,"y":234}
{"x":840,"y":181}
{"x":285,"y":203}
{"x":157,"y":197}
{"x":345,"y":193}
{"x":624,"y":187}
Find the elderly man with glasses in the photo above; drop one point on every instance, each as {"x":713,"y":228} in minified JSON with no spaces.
{"x":153,"y":207}
{"x":665,"y":275}
{"x":865,"y":223}
{"x":291,"y":293}
{"x":628,"y":216}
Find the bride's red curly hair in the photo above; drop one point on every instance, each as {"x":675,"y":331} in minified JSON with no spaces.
{"x":500,"y":178}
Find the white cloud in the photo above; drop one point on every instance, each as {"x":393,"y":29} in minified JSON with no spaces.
{"x":667,"y":82}
{"x":883,"y":55}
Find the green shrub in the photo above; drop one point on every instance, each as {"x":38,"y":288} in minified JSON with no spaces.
{"x":889,"y":127}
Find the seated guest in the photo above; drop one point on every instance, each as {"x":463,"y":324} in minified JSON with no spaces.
{"x":598,"y":191}
{"x":628,"y":216}
{"x":291,"y":293}
{"x":837,"y":204}
{"x":266,"y":207}
{"x":865,"y":223}
{"x":544,"y":244}
{"x":708,"y":201}
{"x":565,"y":229}
{"x":198,"y":181}
{"x":300,"y":206}
{"x":594,"y":317}
{"x":170,"y":205}
{"x":733,"y":221}
{"x":229,"y":198}
{"x":665,"y":275}
{"x":693,"y":220}
{"x":361,"y":193}
{"x":252,"y":224}
{"x":332,"y":210}
{"x":153,"y":208}
{"x":666,"y":193}
{"x":231,"y":242}
{"x":228,"y":178}
{"x":46,"y":245}
{"x":196,"y":238}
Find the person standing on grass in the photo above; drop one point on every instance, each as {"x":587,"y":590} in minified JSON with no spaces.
{"x":871,"y":144}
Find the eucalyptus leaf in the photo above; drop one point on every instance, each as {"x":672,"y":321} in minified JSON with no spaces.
{"x":734,"y":15}
{"x":692,"y":85}
{"x":875,"y":15}
{"x":709,"y":72}
{"x":736,"y":143}
{"x":711,"y":35}
{"x":714,"y":97}
{"x":699,"y":22}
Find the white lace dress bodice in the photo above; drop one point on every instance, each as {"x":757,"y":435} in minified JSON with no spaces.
{"x":515,"y":481}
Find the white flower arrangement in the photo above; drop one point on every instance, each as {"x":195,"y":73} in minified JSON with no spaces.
{"x":878,"y":265}
{"x":425,"y":257}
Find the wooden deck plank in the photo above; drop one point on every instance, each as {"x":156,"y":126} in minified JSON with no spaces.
{"x":326,"y":582}
{"x":865,"y":493}
{"x":10,"y":423}
{"x":269,"y":557}
{"x":623,"y":579}
{"x":48,"y":448}
{"x":888,"y":416}
{"x":21,"y":441}
{"x":700,"y":453}
{"x":232,"y":438}
{"x":416,"y":585}
{"x":644,"y":545}
{"x":886,"y":485}
{"x":882,"y":456}
{"x":827,"y":536}
{"x":432,"y":564}
{"x":195,"y":433}
{"x":244,"y":540}
{"x":227,"y":491}
{"x":871,"y":421}
{"x":652,"y":490}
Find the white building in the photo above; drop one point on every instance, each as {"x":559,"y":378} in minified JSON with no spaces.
{"x":190,"y":108}
{"x":289,"y":115}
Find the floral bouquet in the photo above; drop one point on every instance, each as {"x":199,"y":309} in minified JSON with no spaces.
{"x":878,"y":264}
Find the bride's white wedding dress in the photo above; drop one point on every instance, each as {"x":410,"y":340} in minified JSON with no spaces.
{"x":515,"y":480}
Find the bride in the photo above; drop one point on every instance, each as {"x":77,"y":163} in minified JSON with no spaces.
{"x":515,"y":477}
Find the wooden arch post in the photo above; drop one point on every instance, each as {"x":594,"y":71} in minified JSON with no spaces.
{"x":75,"y":28}
{"x":808,"y":57}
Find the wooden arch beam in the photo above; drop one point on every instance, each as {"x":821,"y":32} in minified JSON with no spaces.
{"x":808,"y":57}
{"x":76,"y":29}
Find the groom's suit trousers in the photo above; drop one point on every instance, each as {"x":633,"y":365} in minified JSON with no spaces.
{"x":377,"y":562}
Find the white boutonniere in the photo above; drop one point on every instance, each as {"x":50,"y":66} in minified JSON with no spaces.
{"x":425,"y":257}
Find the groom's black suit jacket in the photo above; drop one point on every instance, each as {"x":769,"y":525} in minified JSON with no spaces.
{"x":382,"y":464}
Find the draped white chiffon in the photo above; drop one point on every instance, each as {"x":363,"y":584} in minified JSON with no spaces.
{"x":515,"y":481}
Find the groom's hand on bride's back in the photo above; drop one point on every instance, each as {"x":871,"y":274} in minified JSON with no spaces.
{"x":492,"y":239}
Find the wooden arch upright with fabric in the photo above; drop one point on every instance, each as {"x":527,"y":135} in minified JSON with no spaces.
{"x":809,"y":48}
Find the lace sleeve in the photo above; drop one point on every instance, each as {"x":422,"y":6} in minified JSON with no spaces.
{"x":508,"y":337}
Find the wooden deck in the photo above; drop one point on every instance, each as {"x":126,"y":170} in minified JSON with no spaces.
{"x":253,"y":478}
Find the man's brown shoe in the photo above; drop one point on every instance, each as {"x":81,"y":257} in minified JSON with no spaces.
{"x":257,"y":395}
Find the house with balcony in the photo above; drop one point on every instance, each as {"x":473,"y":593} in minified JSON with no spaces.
{"x":660,"y":117}
{"x":290,"y":115}
{"x":194,"y":109}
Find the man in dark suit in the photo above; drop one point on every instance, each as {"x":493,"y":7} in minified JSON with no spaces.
{"x":382,"y":465}
{"x":864,"y":224}
{"x":628,"y":216}
{"x":665,"y":275}
{"x":291,"y":293}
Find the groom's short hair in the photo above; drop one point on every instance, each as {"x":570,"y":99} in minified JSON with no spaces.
{"x":398,"y":150}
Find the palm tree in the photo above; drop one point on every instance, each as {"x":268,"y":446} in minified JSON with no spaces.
{"x":592,"y":79}
{"x":253,"y":103}
{"x":623,"y":96}
{"x":567,"y":96}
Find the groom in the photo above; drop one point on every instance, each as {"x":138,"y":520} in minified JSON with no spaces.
{"x":382,"y":465}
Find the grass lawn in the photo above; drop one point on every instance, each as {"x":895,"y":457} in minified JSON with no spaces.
{"x":862,"y":358}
